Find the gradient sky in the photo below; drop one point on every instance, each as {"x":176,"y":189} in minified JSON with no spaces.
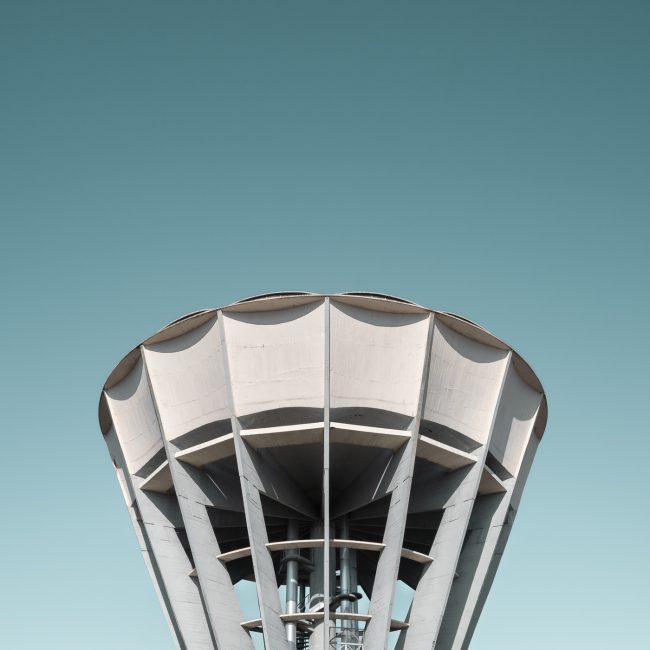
{"x":486,"y":158}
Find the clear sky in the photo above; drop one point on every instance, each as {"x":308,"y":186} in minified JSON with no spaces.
{"x":486,"y":158}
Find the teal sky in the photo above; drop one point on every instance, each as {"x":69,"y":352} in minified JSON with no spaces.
{"x":486,"y":158}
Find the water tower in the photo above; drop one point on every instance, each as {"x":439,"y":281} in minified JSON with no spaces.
{"x":323,"y":472}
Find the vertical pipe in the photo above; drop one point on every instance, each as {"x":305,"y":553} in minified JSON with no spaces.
{"x":349,"y":585}
{"x":345,"y":581}
{"x":345,"y":564}
{"x":354,"y":587}
{"x":316,"y":578}
{"x":316,"y":591}
{"x":327,"y":580}
{"x":292,"y":584}
{"x":301,"y":597}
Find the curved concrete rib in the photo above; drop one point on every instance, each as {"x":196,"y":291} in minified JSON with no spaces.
{"x":432,"y":592}
{"x":251,"y":485}
{"x":133,"y":415}
{"x":381,"y":608}
{"x":195,"y":493}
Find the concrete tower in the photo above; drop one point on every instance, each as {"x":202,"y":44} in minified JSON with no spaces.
{"x":358,"y":458}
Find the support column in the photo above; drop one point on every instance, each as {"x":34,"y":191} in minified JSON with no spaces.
{"x":383,"y":591}
{"x":432,"y":593}
{"x":317,"y":590}
{"x":348,"y":586}
{"x":160,"y":516}
{"x":126,"y":482}
{"x":292,"y":569}
{"x":265,"y":581}
{"x":194,"y":492}
{"x":327,"y":587}
{"x":492,"y":550}
{"x":486,"y":510}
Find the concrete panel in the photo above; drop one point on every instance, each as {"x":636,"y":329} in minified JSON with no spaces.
{"x":376,"y":358}
{"x":276,"y":358}
{"x":188,"y":376}
{"x":134,"y":417}
{"x":515,"y":419}
{"x":463,"y":383}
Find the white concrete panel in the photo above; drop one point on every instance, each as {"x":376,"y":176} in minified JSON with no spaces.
{"x":134,"y":416}
{"x":464,"y":382}
{"x":276,"y":358}
{"x":376,"y":358}
{"x":515,"y":419}
{"x":187,"y":376}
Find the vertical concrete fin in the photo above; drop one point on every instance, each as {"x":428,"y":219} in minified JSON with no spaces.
{"x":132,"y":408}
{"x":383,"y":592}
{"x":326,"y":481}
{"x":143,"y":540}
{"x":265,"y":581}
{"x":220,"y":602}
{"x":494,"y":547}
{"x":434,"y":587}
{"x":490,"y":515}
